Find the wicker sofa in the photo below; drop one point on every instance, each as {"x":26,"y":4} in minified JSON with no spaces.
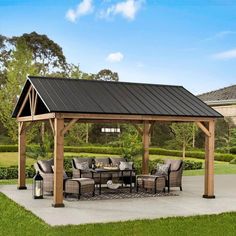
{"x":115,"y":177}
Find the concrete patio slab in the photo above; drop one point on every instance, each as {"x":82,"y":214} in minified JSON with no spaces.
{"x":189,"y":202}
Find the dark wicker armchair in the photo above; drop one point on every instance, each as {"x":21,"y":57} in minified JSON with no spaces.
{"x":175,"y":174}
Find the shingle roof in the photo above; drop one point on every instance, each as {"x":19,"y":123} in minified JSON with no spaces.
{"x":86,"y":96}
{"x":227,"y":93}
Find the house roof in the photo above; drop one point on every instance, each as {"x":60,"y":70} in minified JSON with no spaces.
{"x":103,"y":97}
{"x":225,"y":95}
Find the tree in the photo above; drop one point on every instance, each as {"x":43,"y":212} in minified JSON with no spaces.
{"x":4,"y":58}
{"x":130,"y":142}
{"x":183,"y":134}
{"x":18,"y":68}
{"x":107,"y":75}
{"x":47,"y":55}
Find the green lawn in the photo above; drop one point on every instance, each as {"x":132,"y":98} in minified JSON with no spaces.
{"x":15,"y":220}
{"x":10,"y":159}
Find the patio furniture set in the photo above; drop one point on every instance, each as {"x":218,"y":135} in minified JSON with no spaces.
{"x":90,"y":174}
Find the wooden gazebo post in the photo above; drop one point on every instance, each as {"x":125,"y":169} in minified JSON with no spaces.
{"x":21,"y":155}
{"x":146,"y":139}
{"x":209,"y":160}
{"x":58,"y":162}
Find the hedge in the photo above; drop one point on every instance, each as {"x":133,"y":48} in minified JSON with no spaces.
{"x":8,"y":148}
{"x":12,"y":172}
{"x":117,"y":151}
{"x":232,"y":150}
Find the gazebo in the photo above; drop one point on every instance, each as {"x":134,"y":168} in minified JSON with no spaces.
{"x":63,"y":102}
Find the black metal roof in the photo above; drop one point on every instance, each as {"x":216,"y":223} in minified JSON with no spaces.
{"x":103,"y":97}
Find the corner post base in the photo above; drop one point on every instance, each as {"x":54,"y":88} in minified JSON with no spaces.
{"x":209,"y":196}
{"x":57,"y":205}
{"x":21,"y":187}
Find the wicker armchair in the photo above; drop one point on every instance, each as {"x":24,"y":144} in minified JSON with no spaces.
{"x":48,"y":178}
{"x":175,"y":174}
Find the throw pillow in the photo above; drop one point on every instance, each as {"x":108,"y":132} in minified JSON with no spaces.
{"x":162,"y":169}
{"x":82,"y":165}
{"x":116,"y":160}
{"x":126,"y":165}
{"x":46,"y":165}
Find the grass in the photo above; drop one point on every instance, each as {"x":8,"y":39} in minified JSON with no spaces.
{"x":10,"y":159}
{"x":16,"y":220}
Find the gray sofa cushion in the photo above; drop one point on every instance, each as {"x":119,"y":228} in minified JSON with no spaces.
{"x":116,"y":160}
{"x":46,"y":165}
{"x":82,"y":159}
{"x":103,"y":160}
{"x":174,"y":164}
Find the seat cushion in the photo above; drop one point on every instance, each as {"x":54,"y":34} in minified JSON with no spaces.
{"x":46,"y":165}
{"x":116,"y":160}
{"x":174,"y":164}
{"x":83,"y":159}
{"x":83,"y":181}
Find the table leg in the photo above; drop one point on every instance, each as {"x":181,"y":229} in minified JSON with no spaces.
{"x":131,"y":181}
{"x":122,"y":177}
{"x":100,"y":184}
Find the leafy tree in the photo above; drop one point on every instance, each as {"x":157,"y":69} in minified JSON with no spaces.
{"x":4,"y":59}
{"x":130,"y":142}
{"x":106,"y":75}
{"x":161,"y":134}
{"x":232,"y":141}
{"x":47,"y":55}
{"x":17,"y":70}
{"x":183,"y":134}
{"x":76,"y":135}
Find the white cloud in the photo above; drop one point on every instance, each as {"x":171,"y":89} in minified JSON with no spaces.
{"x":128,"y":9}
{"x":115,"y":57}
{"x":220,"y":35}
{"x":226,"y":55}
{"x":85,"y":7}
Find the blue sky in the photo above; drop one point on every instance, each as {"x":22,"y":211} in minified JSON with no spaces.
{"x":185,"y":42}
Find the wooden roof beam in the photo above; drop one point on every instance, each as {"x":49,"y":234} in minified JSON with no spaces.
{"x":132,"y":117}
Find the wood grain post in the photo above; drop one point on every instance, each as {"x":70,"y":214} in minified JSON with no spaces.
{"x":21,"y":155}
{"x":145,"y":161}
{"x":58,"y":163}
{"x":209,"y":161}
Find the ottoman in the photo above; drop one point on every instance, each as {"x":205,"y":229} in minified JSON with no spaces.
{"x":151,"y":182}
{"x":155,"y":183}
{"x":79,"y":186}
